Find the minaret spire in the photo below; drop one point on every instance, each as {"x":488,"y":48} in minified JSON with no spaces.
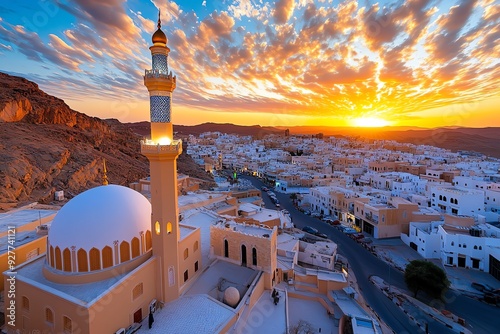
{"x":104,"y":173}
{"x":159,"y":20}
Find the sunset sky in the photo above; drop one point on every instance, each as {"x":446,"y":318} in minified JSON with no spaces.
{"x":278,"y":63}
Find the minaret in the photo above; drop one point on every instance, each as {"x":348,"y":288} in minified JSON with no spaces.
{"x":162,"y":151}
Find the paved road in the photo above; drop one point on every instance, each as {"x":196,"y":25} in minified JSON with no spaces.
{"x":481,"y":317}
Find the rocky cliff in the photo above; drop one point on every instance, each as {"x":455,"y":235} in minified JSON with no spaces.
{"x":45,"y":146}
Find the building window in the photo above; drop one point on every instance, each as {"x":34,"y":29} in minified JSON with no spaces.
{"x":480,"y":248}
{"x":186,"y":253}
{"x":49,"y":316}
{"x":196,"y":266}
{"x":124,"y":252}
{"x":26,"y":303}
{"x":186,"y":276}
{"x":107,"y":257}
{"x":195,"y":247}
{"x":452,"y":243}
{"x":157,"y":228}
{"x":149,"y":242}
{"x":475,"y":247}
{"x":137,"y":291}
{"x":67,"y":325}
{"x":95,"y":259}
{"x":254,"y":256}
{"x":83,"y":265}
{"x":136,"y":248}
{"x":169,"y":227}
{"x":226,"y":248}
{"x":58,"y":259}
{"x":66,"y":259}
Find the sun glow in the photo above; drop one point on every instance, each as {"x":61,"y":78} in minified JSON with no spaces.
{"x":369,"y":122}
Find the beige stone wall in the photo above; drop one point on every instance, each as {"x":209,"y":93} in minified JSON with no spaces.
{"x":266,"y":247}
{"x":35,"y":247}
{"x":193,"y":256}
{"x":114,"y":310}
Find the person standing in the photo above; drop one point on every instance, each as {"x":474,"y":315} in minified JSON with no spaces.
{"x":151,"y":319}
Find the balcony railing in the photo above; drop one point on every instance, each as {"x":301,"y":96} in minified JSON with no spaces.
{"x":159,"y":74}
{"x":149,"y":147}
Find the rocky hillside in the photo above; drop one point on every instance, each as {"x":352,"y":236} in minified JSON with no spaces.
{"x":45,"y":146}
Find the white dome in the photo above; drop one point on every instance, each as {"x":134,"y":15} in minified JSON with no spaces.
{"x":99,"y":216}
{"x":231,"y":296}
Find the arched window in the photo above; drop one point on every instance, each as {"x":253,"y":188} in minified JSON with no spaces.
{"x":195,"y":247}
{"x":66,"y":259}
{"x":157,"y":228}
{"x":452,"y":243}
{"x":136,"y":248}
{"x":58,"y":259}
{"x":124,"y":251}
{"x":67,"y":325}
{"x":475,"y":247}
{"x":49,"y":315}
{"x":149,"y":242}
{"x":440,"y":197}
{"x":26,"y":303}
{"x":254,"y":256}
{"x":95,"y":259}
{"x":169,"y":227}
{"x":137,"y":291}
{"x":51,"y":257}
{"x":480,"y":248}
{"x":226,"y":248}
{"x":186,"y":253}
{"x":107,"y":257}
{"x":83,"y":265}
{"x":444,"y":198}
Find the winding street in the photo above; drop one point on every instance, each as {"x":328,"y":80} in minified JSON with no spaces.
{"x":480,"y":317}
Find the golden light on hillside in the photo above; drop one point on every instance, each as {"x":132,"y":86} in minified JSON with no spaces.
{"x":369,"y":122}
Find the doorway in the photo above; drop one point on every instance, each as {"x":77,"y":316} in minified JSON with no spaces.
{"x":138,"y":315}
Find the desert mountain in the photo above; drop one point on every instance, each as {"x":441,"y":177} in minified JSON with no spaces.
{"x":46,"y":146}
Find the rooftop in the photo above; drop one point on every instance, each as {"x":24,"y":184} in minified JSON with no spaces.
{"x":178,"y":316}
{"x":18,"y":218}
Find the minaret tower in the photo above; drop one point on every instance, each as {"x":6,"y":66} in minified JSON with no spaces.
{"x":162,"y":151}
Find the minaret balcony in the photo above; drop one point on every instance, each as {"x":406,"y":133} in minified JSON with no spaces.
{"x":150,"y":147}
{"x":159,"y":80}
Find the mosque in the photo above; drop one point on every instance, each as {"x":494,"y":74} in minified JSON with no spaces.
{"x":113,"y":257}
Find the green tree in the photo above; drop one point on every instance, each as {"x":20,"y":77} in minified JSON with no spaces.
{"x":421,"y":275}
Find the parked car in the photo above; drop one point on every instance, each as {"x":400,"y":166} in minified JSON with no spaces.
{"x":481,"y":287}
{"x":335,"y":222}
{"x":321,"y":235}
{"x":357,"y":236}
{"x":309,"y":229}
{"x":350,"y":230}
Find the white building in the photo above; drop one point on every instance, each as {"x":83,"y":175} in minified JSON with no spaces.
{"x":457,"y":200}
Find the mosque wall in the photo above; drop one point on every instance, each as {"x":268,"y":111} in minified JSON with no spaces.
{"x":38,"y":310}
{"x":23,"y":253}
{"x":127,"y":302}
{"x":189,"y":256}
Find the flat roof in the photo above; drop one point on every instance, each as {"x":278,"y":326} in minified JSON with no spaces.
{"x":21,"y":238}
{"x":222,"y":274}
{"x":22,"y":217}
{"x":248,"y":229}
{"x":191,"y":314}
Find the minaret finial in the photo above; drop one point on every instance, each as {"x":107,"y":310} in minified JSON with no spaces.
{"x":104,"y":173}
{"x":159,"y":20}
